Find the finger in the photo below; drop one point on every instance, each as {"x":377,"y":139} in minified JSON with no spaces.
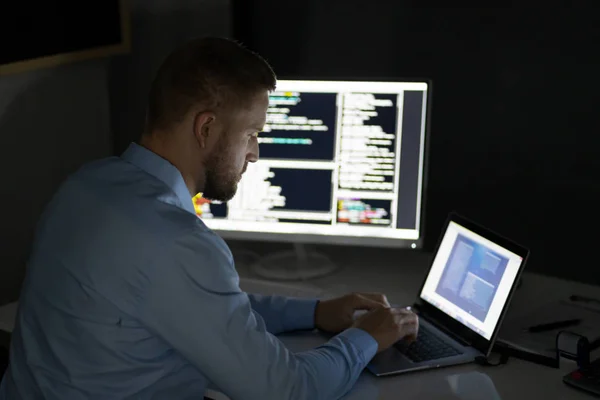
{"x":410,"y":330}
{"x":403,"y":310}
{"x":411,"y":323}
{"x":406,"y":319}
{"x":411,"y":337}
{"x":378,"y":297}
{"x":414,"y":333}
{"x":360,"y":302}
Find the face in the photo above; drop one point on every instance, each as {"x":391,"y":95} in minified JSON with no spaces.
{"x":236,"y":146}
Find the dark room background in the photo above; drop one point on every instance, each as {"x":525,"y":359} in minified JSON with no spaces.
{"x":52,"y":120}
{"x":515,"y":127}
{"x":514,"y":134}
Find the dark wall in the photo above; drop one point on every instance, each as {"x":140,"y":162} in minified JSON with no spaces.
{"x":157,"y":27}
{"x":51,"y":121}
{"x":515,"y":128}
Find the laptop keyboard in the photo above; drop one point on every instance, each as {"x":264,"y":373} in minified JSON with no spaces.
{"x":427,"y":347}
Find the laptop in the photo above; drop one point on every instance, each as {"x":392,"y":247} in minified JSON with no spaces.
{"x":463,"y":299}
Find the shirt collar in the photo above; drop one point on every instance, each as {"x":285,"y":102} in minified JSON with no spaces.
{"x":161,"y":169}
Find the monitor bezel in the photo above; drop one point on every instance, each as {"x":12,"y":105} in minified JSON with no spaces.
{"x":449,"y":324}
{"x":360,"y":241}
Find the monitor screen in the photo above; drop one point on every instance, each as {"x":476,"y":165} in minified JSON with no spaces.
{"x":471,"y":278}
{"x":341,"y":162}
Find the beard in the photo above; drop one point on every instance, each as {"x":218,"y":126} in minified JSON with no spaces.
{"x":218,"y":187}
{"x":220,"y":182}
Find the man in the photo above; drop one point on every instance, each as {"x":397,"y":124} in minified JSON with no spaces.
{"x":129,"y":295}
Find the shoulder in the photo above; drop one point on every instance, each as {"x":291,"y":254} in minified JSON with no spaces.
{"x":201,"y":256}
{"x":109,"y":171}
{"x":126,"y":196}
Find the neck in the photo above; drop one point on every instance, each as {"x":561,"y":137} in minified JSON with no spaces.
{"x":179,"y":155}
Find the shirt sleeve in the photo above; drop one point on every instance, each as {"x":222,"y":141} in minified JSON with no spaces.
{"x":284,"y":314}
{"x":193,"y":301}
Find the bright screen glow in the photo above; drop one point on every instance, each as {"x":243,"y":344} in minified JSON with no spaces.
{"x":342,"y":161}
{"x":470,"y":279}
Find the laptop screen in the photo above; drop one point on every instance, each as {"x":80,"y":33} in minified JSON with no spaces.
{"x":470,"y":279}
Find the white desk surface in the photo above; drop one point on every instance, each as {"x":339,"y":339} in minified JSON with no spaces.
{"x":400,"y":281}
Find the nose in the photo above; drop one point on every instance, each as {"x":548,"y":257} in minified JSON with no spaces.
{"x":253,"y":152}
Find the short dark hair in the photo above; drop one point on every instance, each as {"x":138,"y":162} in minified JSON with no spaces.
{"x":215,"y":72}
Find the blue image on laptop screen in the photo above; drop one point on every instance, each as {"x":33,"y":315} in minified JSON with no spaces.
{"x":471,"y":276}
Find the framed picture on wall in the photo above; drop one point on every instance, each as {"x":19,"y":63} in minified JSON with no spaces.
{"x":44,"y":34}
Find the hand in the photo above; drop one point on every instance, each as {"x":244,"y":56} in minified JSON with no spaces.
{"x":337,"y":314}
{"x":389,"y":325}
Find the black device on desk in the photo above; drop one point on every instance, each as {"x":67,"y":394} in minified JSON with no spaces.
{"x":586,"y":378}
{"x":462,"y":302}
{"x":4,"y":351}
{"x":3,"y":360}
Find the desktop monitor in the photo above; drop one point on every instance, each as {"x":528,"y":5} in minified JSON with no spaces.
{"x":341,"y":162}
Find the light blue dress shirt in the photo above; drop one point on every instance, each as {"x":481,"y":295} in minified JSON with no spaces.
{"x":129,"y":295}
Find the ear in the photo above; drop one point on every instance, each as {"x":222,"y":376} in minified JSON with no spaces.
{"x":204,"y":128}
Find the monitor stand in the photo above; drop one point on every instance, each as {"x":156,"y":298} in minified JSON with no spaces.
{"x":299,"y":264}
